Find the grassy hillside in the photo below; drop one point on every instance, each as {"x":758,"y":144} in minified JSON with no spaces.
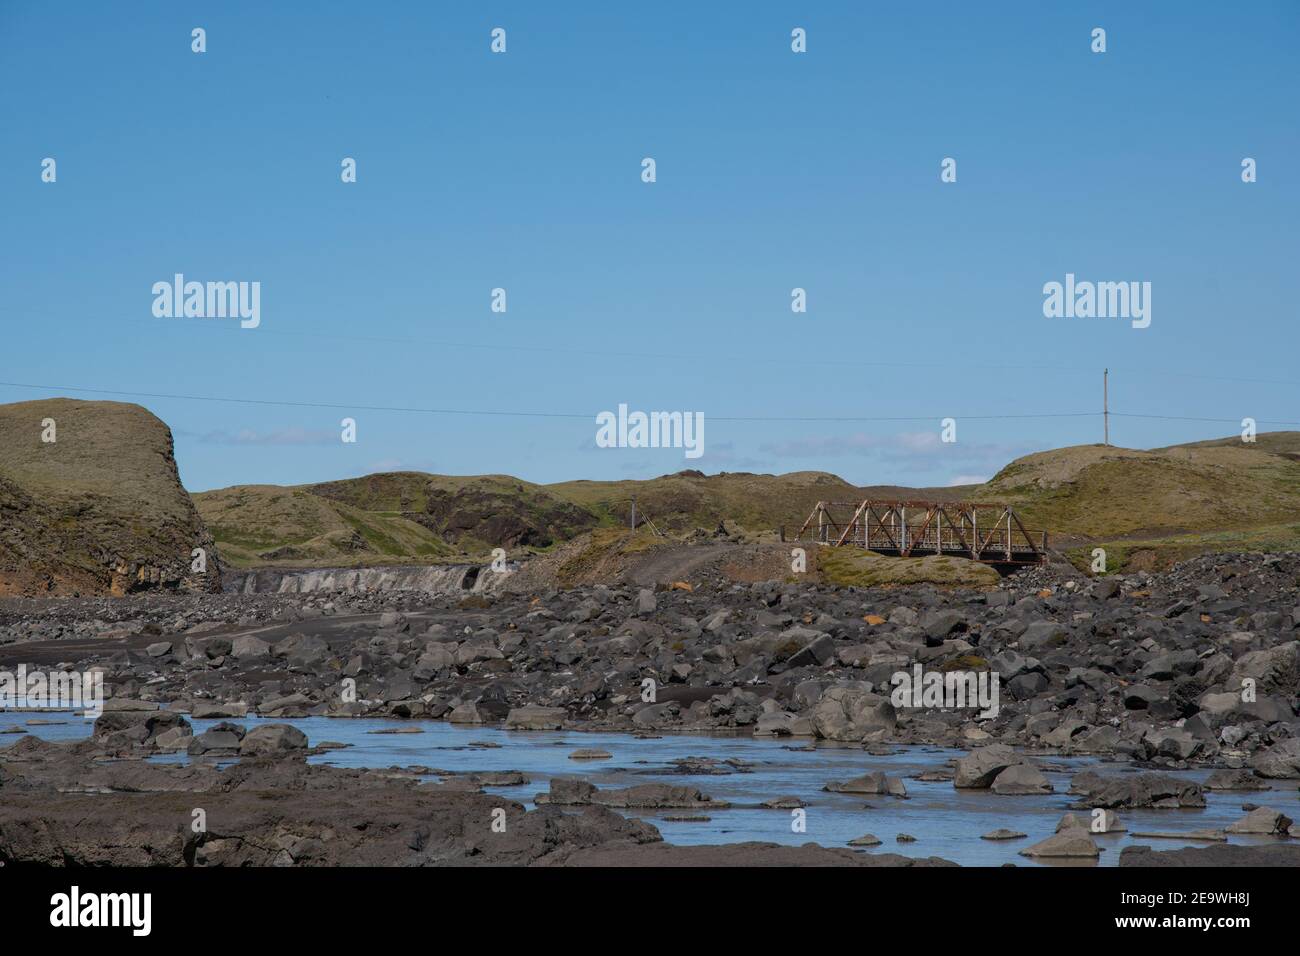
{"x":1145,"y":507}
{"x":1157,"y":506}
{"x":1286,"y":444}
{"x":98,"y":510}
{"x":401,"y":517}
{"x":101,"y":509}
{"x":411,"y":517}
{"x":476,"y":513}
{"x":690,"y":499}
{"x":268,"y":525}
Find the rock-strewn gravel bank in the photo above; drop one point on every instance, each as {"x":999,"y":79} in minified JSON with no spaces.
{"x":1193,"y":667}
{"x":1198,"y":665}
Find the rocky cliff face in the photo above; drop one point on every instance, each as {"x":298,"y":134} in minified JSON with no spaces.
{"x":91,"y":503}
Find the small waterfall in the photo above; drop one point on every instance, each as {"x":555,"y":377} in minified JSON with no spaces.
{"x":434,"y":579}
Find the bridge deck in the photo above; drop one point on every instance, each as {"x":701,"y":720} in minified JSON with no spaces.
{"x":990,"y":533}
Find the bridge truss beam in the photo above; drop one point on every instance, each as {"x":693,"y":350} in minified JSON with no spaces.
{"x":991,"y":533}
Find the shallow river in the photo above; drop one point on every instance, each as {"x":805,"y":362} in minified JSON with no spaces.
{"x":945,"y":822}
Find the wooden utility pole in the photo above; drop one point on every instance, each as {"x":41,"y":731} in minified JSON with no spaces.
{"x":1105,"y":402}
{"x":634,"y":512}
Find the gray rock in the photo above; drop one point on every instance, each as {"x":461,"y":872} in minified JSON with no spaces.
{"x":206,"y":709}
{"x":1172,"y":742}
{"x":1158,"y":790}
{"x":1234,"y":780}
{"x":867,"y":839}
{"x":246,"y":646}
{"x":777,"y":723}
{"x":851,"y":714}
{"x":1002,"y":834}
{"x":978,"y":770}
{"x":465,"y":714}
{"x":273,"y":739}
{"x":222,"y":739}
{"x":1019,"y":780}
{"x":1042,"y":636}
{"x":646,"y":602}
{"x":533,"y":717}
{"x":1072,"y":843}
{"x":133,"y":728}
{"x":874,"y":782}
{"x":1279,"y":762}
{"x":590,"y":753}
{"x":1262,"y":820}
{"x":1107,"y":821}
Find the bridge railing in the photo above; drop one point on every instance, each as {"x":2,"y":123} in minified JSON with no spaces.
{"x":992,"y":533}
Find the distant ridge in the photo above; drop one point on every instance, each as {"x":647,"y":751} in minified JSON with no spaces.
{"x":101,"y":510}
{"x":402,"y":517}
{"x":1147,"y":507}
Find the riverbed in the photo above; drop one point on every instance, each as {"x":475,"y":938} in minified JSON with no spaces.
{"x":944,"y":821}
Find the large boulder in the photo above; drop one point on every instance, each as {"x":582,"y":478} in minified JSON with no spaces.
{"x":209,"y":648}
{"x":291,"y":705}
{"x":436,"y":658}
{"x":1101,"y":821}
{"x":852,"y":714}
{"x":815,"y":653}
{"x":980,"y":768}
{"x":247,"y":646}
{"x":1275,"y":670}
{"x":273,"y":739}
{"x":652,"y":715}
{"x":1072,"y":842}
{"x":1019,"y":780}
{"x":1279,"y":762}
{"x":533,"y":717}
{"x":219,"y":740}
{"x":1041,"y":636}
{"x":1234,"y":780}
{"x":1159,"y":790}
{"x":778,"y":723}
{"x":1262,"y":820}
{"x":646,"y":603}
{"x":875,"y":782}
{"x":203,"y":710}
{"x":467,"y":713}
{"x":940,"y":624}
{"x":567,"y":792}
{"x":1172,"y":742}
{"x":475,"y":652}
{"x":134,"y":728}
{"x":300,"y":649}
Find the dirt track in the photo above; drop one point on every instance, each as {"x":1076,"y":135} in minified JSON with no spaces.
{"x":678,"y":564}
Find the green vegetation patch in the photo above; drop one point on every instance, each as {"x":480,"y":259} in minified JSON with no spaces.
{"x":854,"y":567}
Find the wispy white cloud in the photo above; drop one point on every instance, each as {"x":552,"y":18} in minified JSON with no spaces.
{"x":902,"y":444}
{"x":918,"y":457}
{"x":249,"y":436}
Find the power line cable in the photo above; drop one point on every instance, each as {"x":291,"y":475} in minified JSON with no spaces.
{"x":171,"y":396}
{"x":505,"y":413}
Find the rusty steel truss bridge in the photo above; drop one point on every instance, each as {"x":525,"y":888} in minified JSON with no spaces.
{"x":990,"y":533}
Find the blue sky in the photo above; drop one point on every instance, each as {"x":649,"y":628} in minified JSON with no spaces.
{"x":775,"y":170}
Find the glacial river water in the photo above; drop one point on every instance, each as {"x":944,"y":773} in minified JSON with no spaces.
{"x":945,"y":822}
